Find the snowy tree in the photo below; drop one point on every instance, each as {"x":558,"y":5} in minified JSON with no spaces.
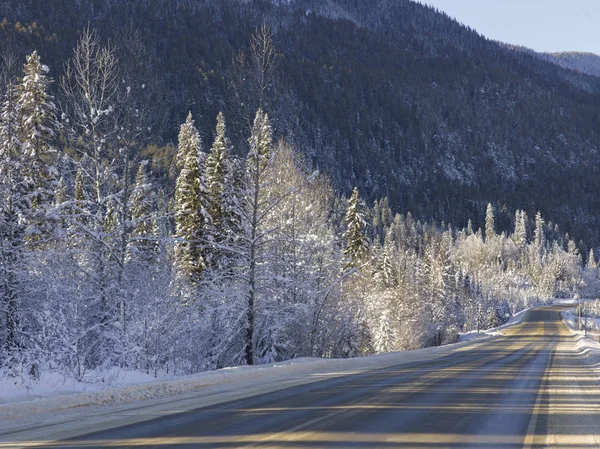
{"x":255,"y":202}
{"x":490,"y":226}
{"x":592,"y":264}
{"x":38,"y":127}
{"x":219,"y":192}
{"x":90,"y":87}
{"x":253,"y":78}
{"x":520,"y":234}
{"x":142,"y":244}
{"x":365,"y":340}
{"x":191,"y":217}
{"x":216,"y":172}
{"x":439,"y":285}
{"x":27,"y":127}
{"x":539,"y":240}
{"x":301,"y":258}
{"x":355,"y":240}
{"x":100,"y":222}
{"x":14,"y":208}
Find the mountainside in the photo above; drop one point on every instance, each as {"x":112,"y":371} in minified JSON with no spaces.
{"x":139,"y":236}
{"x":387,"y":95}
{"x":588,"y":63}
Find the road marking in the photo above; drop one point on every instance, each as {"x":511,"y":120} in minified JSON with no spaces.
{"x":430,"y":377}
{"x":530,"y":436}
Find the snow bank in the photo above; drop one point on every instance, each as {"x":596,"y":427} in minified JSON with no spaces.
{"x":55,"y":393}
{"x":293,"y":372}
{"x":56,"y":402}
{"x":65,"y":415}
{"x":50,"y":395}
{"x":513,"y":321}
{"x":517,"y":318}
{"x":587,"y":346}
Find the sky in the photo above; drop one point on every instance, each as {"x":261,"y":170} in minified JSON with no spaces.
{"x":542,"y":25}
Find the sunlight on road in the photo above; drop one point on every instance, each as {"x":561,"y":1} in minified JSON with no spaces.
{"x":314,"y":439}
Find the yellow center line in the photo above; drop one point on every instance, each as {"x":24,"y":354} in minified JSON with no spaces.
{"x":530,"y":437}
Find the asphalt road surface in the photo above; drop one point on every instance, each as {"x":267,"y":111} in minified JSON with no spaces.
{"x":529,"y":388}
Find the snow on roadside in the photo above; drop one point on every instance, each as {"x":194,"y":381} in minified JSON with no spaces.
{"x":70,"y":415}
{"x":53,"y":394}
{"x":513,"y":321}
{"x":49,"y":396}
{"x":571,"y":319}
{"x":588,"y":348}
{"x":55,"y":384}
{"x":302,"y":370}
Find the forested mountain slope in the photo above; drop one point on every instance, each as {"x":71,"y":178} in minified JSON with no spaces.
{"x":121,"y":250}
{"x":582,"y":62}
{"x":387,"y":95}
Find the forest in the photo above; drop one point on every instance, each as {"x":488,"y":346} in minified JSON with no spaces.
{"x":389,"y":96}
{"x":250,"y":256}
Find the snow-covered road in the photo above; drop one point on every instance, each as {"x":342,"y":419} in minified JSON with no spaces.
{"x":527,"y":386}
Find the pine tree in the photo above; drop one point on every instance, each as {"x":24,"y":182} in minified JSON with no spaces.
{"x":14,"y":204}
{"x":365,"y":341}
{"x":217,"y":165}
{"x":27,"y":124}
{"x":384,"y":274}
{"x":539,"y":240}
{"x":356,"y":246}
{"x":490,"y":226}
{"x":190,"y":215}
{"x":220,"y":195}
{"x":142,"y":245}
{"x":261,"y":145}
{"x":591,"y":262}
{"x":38,"y":127}
{"x":38,"y":117}
{"x":520,"y":235}
{"x":469,"y":229}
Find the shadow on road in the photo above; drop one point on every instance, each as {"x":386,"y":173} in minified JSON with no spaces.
{"x":528,"y":388}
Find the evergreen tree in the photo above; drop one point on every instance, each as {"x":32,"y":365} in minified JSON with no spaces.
{"x":190,"y":216}
{"x":38,"y":119}
{"x":355,"y":240}
{"x":38,"y":127}
{"x":591,"y":262}
{"x":142,"y":245}
{"x":539,"y":240}
{"x":217,"y":165}
{"x":27,"y":126}
{"x":490,"y":225}
{"x":520,"y":235}
{"x":14,"y":204}
{"x":365,"y":341}
{"x":469,"y":229}
{"x":384,"y":274}
{"x":220,"y":193}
